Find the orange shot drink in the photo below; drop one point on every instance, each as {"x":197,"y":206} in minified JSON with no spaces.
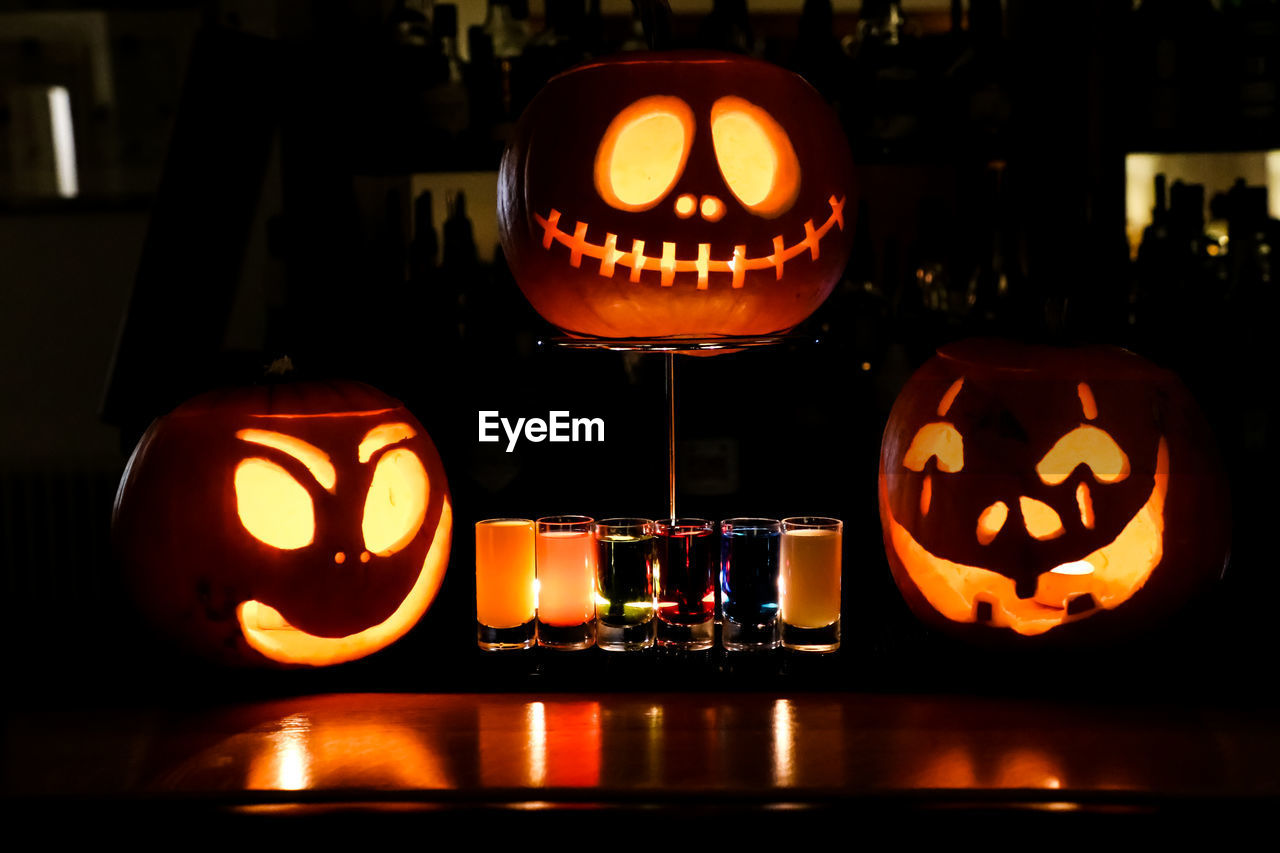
{"x":566,"y":550}
{"x":506,"y":584}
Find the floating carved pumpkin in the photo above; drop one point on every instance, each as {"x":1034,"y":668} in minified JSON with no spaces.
{"x":682,"y":194}
{"x":292,"y":524}
{"x":1026,"y":488}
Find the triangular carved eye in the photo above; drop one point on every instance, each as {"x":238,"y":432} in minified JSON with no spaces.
{"x":274,"y":507}
{"x":643,"y":152}
{"x":755,"y":155}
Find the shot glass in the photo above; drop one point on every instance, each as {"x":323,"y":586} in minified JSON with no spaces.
{"x":506,"y":585}
{"x":750,"y":551}
{"x":566,"y":582}
{"x":809,"y":584}
{"x":685,"y":583}
{"x":624,"y":584}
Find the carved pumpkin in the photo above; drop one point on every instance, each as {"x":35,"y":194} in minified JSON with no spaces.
{"x":684,"y":194}
{"x":290,"y":524}
{"x":1027,"y":488}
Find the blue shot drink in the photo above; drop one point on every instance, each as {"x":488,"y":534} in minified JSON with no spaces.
{"x":750,"y":557}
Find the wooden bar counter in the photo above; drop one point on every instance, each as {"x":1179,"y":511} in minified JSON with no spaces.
{"x":508,"y":759}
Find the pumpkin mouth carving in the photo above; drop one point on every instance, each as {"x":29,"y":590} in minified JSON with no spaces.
{"x":1101,"y":580}
{"x":266,"y":630}
{"x":668,"y":265}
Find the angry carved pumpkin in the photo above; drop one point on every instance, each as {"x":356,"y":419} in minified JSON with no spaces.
{"x":685,"y":194}
{"x":1024,"y":488}
{"x":292,"y":524}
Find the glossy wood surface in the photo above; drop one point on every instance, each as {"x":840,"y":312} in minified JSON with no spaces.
{"x":558,"y":750}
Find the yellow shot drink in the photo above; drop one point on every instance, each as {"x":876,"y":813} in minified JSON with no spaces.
{"x":809,"y":583}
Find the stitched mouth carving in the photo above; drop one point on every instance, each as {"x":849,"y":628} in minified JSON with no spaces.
{"x":666,"y":263}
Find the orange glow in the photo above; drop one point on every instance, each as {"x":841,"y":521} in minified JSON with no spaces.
{"x":571,"y":731}
{"x":566,"y":577}
{"x":273,"y":506}
{"x":949,"y":397}
{"x":755,"y":156}
{"x":1028,"y":768}
{"x":382,"y":435}
{"x":926,"y":494}
{"x":643,"y":152}
{"x":1119,"y":569}
{"x":712,"y":208}
{"x":1041,"y":520}
{"x":957,"y":766}
{"x":637,"y":261}
{"x":1085,"y":501}
{"x":397,"y":502}
{"x":300,"y":647}
{"x":991,"y":522}
{"x":505,"y":573}
{"x":316,"y":460}
{"x":335,"y":746}
{"x":1087,"y":404}
{"x":1088,"y":445}
{"x":555,"y":743}
{"x":685,"y":206}
{"x":940,"y":440}
{"x":1058,"y":586}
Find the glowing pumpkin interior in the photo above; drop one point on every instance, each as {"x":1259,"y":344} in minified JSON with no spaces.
{"x":1102,"y":579}
{"x":277,"y":510}
{"x":642,"y":156}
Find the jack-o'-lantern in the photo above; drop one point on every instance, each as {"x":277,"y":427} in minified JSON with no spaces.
{"x":670,"y":195}
{"x":1026,"y":488}
{"x":293,"y":524}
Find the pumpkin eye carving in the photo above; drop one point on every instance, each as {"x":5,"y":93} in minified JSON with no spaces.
{"x":643,"y":152}
{"x":274,"y":507}
{"x":755,"y":155}
{"x":396,"y":504}
{"x":1085,"y":445}
{"x":940,"y":440}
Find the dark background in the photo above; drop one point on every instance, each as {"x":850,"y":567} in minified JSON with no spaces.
{"x":246,"y":193}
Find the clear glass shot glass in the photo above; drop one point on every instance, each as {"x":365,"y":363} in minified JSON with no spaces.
{"x":750,"y":558}
{"x":809,"y":583}
{"x":506,"y":584}
{"x":686,"y":582}
{"x":624,"y":584}
{"x":566,"y":557}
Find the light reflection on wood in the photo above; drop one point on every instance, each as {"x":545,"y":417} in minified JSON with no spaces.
{"x":628,"y":745}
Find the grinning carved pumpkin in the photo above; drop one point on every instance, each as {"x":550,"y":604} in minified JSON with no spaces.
{"x":684,"y":194}
{"x":1024,"y":488}
{"x":291,"y":524}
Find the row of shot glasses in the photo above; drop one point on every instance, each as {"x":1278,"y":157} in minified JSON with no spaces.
{"x":569,"y":582}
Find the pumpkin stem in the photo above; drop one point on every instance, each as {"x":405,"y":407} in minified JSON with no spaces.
{"x":655,"y":17}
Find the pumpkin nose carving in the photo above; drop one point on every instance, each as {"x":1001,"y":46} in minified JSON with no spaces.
{"x":1041,"y":520}
{"x":711,"y":207}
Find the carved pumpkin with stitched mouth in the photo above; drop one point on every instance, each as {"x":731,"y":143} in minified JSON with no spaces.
{"x":296,"y":524}
{"x":683,"y":194}
{"x":1025,"y":488}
